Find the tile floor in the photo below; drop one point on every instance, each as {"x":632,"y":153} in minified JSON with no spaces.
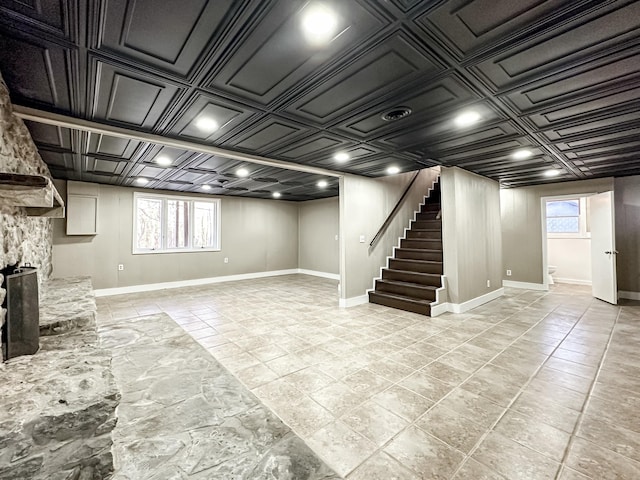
{"x":534,"y":385}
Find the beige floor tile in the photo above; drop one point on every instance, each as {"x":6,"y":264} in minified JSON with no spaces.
{"x":600,"y":463}
{"x":309,"y":379}
{"x":473,"y":470}
{"x":483,"y":411}
{"x":256,"y":375}
{"x":366,"y":382}
{"x":492,"y":389}
{"x":614,"y":437}
{"x":570,"y":474}
{"x":341,"y":447}
{"x":452,"y":428}
{"x":514,"y":461}
{"x":427,"y":456}
{"x":425,"y":385}
{"x":403,"y":402}
{"x":381,"y":466}
{"x":286,"y":364}
{"x":558,"y":394}
{"x":374,"y":422}
{"x":411,"y":359}
{"x":268,"y":352}
{"x":546,"y":411}
{"x":533,"y":434}
{"x":392,"y":371}
{"x":338,"y":398}
{"x":278,"y":394}
{"x":306,"y":417}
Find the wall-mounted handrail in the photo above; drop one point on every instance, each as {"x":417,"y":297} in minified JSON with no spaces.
{"x":386,"y":223}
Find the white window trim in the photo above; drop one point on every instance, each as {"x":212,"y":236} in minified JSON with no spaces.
{"x":582,"y":218}
{"x":164,"y":198}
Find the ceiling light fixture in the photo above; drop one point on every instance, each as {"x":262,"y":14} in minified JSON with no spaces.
{"x":341,"y":157}
{"x":163,"y":161}
{"x":522,"y":154}
{"x":467,"y":119}
{"x":242,"y":172}
{"x":276,"y":194}
{"x":206,"y":124}
{"x":323,"y":183}
{"x":206,"y":187}
{"x":142,"y":181}
{"x":396,"y":114}
{"x":393,"y":170}
{"x":552,"y":173}
{"x":319,"y":24}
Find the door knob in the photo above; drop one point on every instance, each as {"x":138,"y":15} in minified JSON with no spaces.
{"x":613,"y":252}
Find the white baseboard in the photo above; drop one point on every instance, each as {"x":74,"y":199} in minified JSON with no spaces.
{"x":105,"y":292}
{"x":525,"y":285}
{"x":331,"y":276}
{"x":629,"y":295}
{"x":572,"y":281}
{"x":476,"y":302}
{"x":353,"y":301}
{"x":440,"y":308}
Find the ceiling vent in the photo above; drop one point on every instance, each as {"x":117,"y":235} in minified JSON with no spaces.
{"x":396,"y":114}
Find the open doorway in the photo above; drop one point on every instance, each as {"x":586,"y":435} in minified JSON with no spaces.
{"x":567,"y":240}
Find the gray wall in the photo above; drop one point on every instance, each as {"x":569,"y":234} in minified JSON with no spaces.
{"x":365,"y":203}
{"x":318,"y":226}
{"x":471,"y":234}
{"x":257,"y":236}
{"x":522,"y":224}
{"x":627,"y":211}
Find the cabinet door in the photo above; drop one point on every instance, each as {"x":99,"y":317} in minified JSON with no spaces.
{"x":82,"y":215}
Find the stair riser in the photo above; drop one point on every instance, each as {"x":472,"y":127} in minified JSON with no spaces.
{"x":426,"y":244}
{"x":430,"y":207}
{"x":407,"y":290}
{"x":421,"y":279}
{"x":426,"y":216}
{"x":397,"y":303}
{"x":427,"y":225}
{"x":426,"y":234}
{"x":430,"y":256}
{"x":435,"y":268}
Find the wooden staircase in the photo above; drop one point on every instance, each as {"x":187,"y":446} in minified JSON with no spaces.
{"x":414,"y":273}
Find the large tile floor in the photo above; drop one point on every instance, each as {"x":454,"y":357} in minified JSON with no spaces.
{"x":534,"y":385}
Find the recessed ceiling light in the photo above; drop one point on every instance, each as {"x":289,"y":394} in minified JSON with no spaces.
{"x":163,"y":161}
{"x":396,"y":114}
{"x":552,"y":173}
{"x":206,"y":187}
{"x":522,"y":154}
{"x":466,"y":119}
{"x":341,"y":157}
{"x":276,"y":194}
{"x":206,"y":124}
{"x":393,"y":170}
{"x":319,"y":24}
{"x":242,"y":172}
{"x":142,"y":181}
{"x":323,"y":183}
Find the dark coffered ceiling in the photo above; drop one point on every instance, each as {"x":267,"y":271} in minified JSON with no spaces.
{"x":559,"y":78}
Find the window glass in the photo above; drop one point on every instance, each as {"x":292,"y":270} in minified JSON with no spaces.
{"x":204,"y":222}
{"x":177,"y":224}
{"x":149,"y":224}
{"x":563,"y":216}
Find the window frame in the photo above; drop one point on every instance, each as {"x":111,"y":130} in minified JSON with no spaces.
{"x":583,"y":223}
{"x":163,"y":223}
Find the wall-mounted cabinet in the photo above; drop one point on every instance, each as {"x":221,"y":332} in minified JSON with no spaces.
{"x":82,"y":208}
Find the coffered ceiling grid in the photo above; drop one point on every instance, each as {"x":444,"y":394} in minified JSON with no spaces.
{"x":561,"y":79}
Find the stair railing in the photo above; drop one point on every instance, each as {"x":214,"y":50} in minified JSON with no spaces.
{"x":386,"y":223}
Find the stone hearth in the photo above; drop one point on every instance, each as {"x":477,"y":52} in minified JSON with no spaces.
{"x":59,"y":404}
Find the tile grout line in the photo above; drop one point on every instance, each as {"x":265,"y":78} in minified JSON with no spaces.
{"x":589,"y":394}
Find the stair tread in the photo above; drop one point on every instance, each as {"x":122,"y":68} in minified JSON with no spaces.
{"x":411,"y":272}
{"x":406,"y":284}
{"x":411,"y":260}
{"x":425,"y":229}
{"x":417,"y":250}
{"x":402,"y":297}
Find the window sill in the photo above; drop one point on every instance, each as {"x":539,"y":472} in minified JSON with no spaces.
{"x":178,"y":250}
{"x":566,"y":236}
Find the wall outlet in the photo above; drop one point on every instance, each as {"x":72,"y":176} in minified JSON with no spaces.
{"x":120,"y":267}
{"x":361,"y":238}
{"x":336,"y":237}
{"x":226,"y":259}
{"x":508,"y":273}
{"x":488,"y":283}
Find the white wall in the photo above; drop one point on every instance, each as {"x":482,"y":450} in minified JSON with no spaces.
{"x":572,"y":259}
{"x":365,"y":203}
{"x":319,"y":229}
{"x":471,"y":235}
{"x":257,"y":236}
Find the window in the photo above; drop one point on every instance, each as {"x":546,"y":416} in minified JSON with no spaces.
{"x":567,"y":217}
{"x":165,"y":223}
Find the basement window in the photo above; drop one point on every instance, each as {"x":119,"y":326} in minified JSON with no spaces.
{"x":567,"y":218}
{"x":170,"y":224}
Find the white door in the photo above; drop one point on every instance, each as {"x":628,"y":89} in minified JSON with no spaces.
{"x":603,"y":248}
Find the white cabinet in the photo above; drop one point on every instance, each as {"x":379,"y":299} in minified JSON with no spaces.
{"x":82,"y":208}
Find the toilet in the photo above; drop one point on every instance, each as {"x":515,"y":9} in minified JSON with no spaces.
{"x":551,"y":269}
